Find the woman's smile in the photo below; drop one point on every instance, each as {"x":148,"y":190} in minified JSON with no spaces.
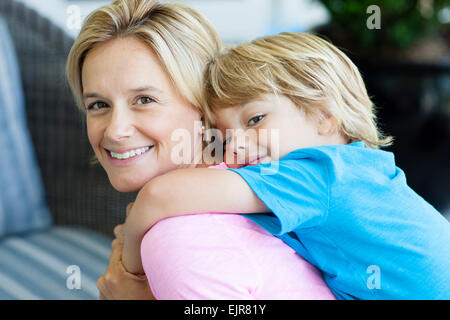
{"x":126,"y":158}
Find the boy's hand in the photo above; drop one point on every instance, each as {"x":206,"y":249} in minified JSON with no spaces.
{"x":119,"y":229}
{"x":118,"y":284}
{"x":129,"y":207}
{"x":131,"y":255}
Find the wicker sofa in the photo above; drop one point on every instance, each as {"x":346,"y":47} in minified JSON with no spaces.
{"x":83,"y":205}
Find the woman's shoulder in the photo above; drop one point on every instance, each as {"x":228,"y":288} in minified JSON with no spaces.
{"x":224,"y":256}
{"x":207,"y":229}
{"x":196,"y":257}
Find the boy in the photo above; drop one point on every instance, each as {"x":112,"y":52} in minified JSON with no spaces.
{"x":333,"y":196}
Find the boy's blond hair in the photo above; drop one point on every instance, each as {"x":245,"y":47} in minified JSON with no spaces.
{"x":314,"y":74}
{"x":182,"y":38}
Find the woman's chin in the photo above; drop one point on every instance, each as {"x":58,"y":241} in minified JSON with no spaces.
{"x":135,"y":178}
{"x":127,"y":185}
{"x":126,"y":188}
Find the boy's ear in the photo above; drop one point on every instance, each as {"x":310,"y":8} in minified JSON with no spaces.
{"x":327,"y":126}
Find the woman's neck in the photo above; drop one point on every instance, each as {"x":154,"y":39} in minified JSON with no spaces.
{"x":204,"y":161}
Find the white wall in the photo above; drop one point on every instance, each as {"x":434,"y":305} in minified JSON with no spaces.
{"x":235,"y":20}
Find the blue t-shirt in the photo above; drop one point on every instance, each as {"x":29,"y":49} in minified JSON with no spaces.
{"x":348,"y":210}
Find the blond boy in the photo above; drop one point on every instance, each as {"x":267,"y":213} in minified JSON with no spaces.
{"x":333,"y":196}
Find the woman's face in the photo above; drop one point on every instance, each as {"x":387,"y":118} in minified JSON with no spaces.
{"x":132,"y":110}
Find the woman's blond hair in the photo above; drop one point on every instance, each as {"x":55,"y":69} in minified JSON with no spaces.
{"x":183,"y":40}
{"x":314,"y":74}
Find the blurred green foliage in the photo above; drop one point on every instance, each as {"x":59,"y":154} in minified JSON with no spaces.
{"x":403,"y":22}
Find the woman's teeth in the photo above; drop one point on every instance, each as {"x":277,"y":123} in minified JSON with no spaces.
{"x":129,"y":154}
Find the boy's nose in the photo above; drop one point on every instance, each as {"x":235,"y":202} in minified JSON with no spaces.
{"x":234,"y":154}
{"x":239,"y":151}
{"x":237,"y":144}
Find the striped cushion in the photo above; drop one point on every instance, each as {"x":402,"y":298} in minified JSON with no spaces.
{"x":22,"y":205}
{"x":40,"y":265}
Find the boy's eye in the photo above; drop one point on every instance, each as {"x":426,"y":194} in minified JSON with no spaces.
{"x":255,"y":120}
{"x":97,"y":105}
{"x":144,"y":100}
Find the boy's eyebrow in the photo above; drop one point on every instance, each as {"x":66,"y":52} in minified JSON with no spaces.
{"x":260,"y":100}
{"x":138,"y":89}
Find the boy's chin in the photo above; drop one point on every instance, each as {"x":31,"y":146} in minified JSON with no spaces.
{"x":235,"y":165}
{"x":254,"y":163}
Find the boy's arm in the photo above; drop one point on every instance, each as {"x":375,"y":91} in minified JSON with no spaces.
{"x":191,"y":191}
{"x":181,"y":192}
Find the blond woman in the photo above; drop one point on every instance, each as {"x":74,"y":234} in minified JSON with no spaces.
{"x":136,"y":71}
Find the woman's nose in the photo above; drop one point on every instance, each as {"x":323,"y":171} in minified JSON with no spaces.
{"x":121,"y":125}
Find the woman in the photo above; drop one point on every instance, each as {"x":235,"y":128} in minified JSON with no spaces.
{"x":136,"y":70}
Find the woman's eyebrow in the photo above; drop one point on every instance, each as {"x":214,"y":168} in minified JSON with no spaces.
{"x":145,"y":88}
{"x":91,"y":95}
{"x":138,"y":89}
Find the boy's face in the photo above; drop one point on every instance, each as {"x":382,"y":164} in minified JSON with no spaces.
{"x":265,"y":130}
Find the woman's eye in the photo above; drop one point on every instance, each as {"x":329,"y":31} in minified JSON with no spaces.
{"x":97,"y":105}
{"x":144,"y":100}
{"x":255,"y":120}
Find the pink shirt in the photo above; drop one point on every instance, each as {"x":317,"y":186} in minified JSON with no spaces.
{"x":225,"y":256}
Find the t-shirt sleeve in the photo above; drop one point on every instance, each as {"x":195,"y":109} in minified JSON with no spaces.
{"x":188,"y":257}
{"x":295,"y":191}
